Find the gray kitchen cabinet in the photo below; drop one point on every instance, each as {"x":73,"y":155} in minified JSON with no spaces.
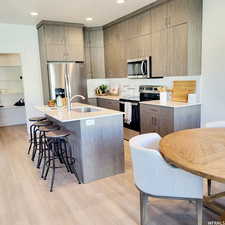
{"x":58,"y":41}
{"x":178,"y":11}
{"x":177,"y":50}
{"x":165,"y":120}
{"x":108,"y":103}
{"x":170,"y":32}
{"x":92,"y":101}
{"x":64,"y":42}
{"x":159,"y":17}
{"x":149,"y":119}
{"x":159,"y":53}
{"x":94,"y":53}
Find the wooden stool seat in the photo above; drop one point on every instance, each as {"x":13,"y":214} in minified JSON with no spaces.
{"x":58,"y":134}
{"x":49,"y":128}
{"x":37,"y":119}
{"x":42,"y":123}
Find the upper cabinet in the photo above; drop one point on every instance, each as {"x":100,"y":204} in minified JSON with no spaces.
{"x":176,"y":38}
{"x":169,"y":32}
{"x":159,"y":17}
{"x":94,"y":53}
{"x":178,"y":11}
{"x":63,"y":42}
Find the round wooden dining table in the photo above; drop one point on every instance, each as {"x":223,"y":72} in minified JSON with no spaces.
{"x":201,"y":152}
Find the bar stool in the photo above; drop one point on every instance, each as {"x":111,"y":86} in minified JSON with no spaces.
{"x":58,"y":148}
{"x":35,"y":142}
{"x":43,"y":140}
{"x":34,"y":119}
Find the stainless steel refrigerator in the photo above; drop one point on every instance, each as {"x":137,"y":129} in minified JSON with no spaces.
{"x":58,"y":72}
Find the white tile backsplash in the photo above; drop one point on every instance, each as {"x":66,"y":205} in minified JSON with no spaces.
{"x":131,"y":86}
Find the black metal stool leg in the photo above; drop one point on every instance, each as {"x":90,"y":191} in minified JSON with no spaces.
{"x":72,"y":160}
{"x":62,"y":151}
{"x":31,"y":138}
{"x":41,"y":148}
{"x":48,"y":162}
{"x":53,"y":165}
{"x":35,"y":144}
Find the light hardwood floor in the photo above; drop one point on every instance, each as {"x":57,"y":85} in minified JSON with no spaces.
{"x":25,"y":198}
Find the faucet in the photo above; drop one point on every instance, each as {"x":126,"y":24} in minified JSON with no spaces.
{"x":68,"y":93}
{"x":69,"y":105}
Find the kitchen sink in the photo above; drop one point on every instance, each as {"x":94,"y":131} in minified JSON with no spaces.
{"x":85,"y":109}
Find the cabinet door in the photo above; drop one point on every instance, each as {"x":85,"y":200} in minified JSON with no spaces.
{"x":166,"y":121}
{"x":97,"y":62}
{"x":159,"y":53}
{"x":56,"y":52}
{"x":177,"y":12}
{"x":55,"y":42}
{"x":144,"y":23}
{"x":74,"y":43}
{"x":150,"y":120}
{"x":133,"y":27}
{"x":109,"y":104}
{"x":108,"y":60}
{"x":159,"y":17}
{"x":132,"y":48}
{"x":177,"y":50}
{"x":144,"y":46}
{"x":55,"y":34}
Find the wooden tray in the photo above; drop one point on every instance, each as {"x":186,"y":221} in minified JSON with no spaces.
{"x":181,"y":89}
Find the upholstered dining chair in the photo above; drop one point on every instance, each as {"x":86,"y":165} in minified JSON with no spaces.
{"x":154,"y":177}
{"x":215,"y":124}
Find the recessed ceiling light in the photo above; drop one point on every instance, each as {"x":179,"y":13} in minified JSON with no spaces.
{"x":89,"y":19}
{"x":33,"y":13}
{"x":120,"y":1}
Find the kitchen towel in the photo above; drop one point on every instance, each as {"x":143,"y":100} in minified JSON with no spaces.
{"x":128,"y":112}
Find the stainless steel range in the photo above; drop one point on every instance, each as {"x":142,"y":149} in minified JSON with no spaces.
{"x":146,"y":93}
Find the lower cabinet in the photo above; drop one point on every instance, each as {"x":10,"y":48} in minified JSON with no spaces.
{"x":108,"y":103}
{"x":165,"y":120}
{"x":92,"y":101}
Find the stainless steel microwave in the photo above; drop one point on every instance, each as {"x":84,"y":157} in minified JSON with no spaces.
{"x":139,"y":68}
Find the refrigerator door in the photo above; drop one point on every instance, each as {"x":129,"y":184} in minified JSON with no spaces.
{"x":56,"y":75}
{"x":78,"y":82}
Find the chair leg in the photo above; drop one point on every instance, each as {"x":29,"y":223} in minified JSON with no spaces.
{"x":41,"y":149}
{"x":48,"y":162}
{"x":144,"y":212}
{"x":199,"y":211}
{"x":53,"y":166}
{"x":209,"y":183}
{"x":35,"y":147}
{"x":31,"y":138}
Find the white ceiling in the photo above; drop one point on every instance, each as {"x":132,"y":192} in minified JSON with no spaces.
{"x":102,"y":11}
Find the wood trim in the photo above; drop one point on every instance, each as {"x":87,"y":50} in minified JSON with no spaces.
{"x":135,"y":13}
{"x":50,"y":22}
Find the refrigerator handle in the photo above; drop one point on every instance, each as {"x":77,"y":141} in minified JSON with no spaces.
{"x":68,"y":89}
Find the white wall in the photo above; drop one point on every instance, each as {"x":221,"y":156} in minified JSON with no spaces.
{"x":23,"y":39}
{"x":213,"y":61}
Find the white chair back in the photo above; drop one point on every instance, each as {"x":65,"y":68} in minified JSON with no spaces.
{"x":154,"y":176}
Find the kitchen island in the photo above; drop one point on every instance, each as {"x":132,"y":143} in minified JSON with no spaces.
{"x":96,"y":138}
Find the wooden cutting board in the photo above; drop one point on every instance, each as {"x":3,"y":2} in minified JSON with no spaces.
{"x":181,"y":89}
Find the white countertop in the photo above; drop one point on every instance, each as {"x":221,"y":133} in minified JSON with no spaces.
{"x":62,"y":115}
{"x":169,"y":104}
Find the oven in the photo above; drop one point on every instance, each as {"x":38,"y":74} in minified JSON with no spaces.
{"x":135,"y":114}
